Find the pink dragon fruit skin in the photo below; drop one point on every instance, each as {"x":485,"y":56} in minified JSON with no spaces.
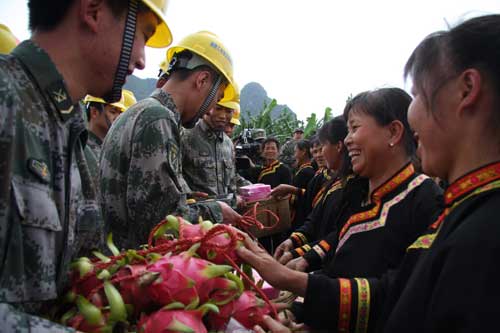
{"x":189,"y":231}
{"x":85,"y":285}
{"x":196,"y":269}
{"x":173,"y":321}
{"x":218,"y":291}
{"x":173,"y":286}
{"x":131,"y":290}
{"x":246,"y":309}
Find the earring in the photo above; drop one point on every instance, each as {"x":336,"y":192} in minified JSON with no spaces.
{"x":391,"y":144}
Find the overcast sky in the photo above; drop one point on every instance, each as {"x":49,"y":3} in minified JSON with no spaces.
{"x":306,"y":54}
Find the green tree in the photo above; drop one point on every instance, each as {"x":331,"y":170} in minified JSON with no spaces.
{"x":283,"y":126}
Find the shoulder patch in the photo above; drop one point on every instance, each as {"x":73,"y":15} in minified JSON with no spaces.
{"x":39,"y":169}
{"x":173,"y":156}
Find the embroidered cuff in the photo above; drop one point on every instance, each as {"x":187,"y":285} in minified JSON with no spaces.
{"x":300,"y":251}
{"x":298,"y":239}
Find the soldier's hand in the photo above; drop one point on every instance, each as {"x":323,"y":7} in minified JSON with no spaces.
{"x":240,"y":203}
{"x":282,"y":248}
{"x":283,"y":190}
{"x":229,"y":216}
{"x":198,"y":195}
{"x":298,"y":264}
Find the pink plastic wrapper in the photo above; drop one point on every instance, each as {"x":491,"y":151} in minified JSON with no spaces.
{"x":255,"y":192}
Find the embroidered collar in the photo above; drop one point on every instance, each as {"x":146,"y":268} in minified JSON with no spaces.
{"x":303,"y":166}
{"x":270,"y":169}
{"x":470,"y":182}
{"x":48,"y":78}
{"x":319,"y":171}
{"x":399,"y":178}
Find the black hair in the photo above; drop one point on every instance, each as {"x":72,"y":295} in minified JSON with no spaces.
{"x":443,"y":55}
{"x":474,"y":43}
{"x":97,"y":105}
{"x":181,"y":73}
{"x":335,"y":131}
{"x":314,"y":140}
{"x":45,"y":15}
{"x":270,"y":139}
{"x":385,"y":105}
{"x":304,"y":145}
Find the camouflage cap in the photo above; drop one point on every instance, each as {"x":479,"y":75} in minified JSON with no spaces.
{"x":258,"y":133}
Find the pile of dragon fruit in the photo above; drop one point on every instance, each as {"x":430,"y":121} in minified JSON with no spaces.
{"x":187,"y":279}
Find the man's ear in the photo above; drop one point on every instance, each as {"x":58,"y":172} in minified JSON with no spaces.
{"x":90,"y":11}
{"x":94,"y":113}
{"x":202,"y":79}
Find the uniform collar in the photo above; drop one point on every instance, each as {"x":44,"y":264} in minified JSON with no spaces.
{"x":209,"y":131}
{"x":167,"y":101}
{"x":48,"y":78}
{"x":94,"y":138}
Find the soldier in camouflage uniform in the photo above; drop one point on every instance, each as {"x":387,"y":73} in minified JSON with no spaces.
{"x":100,"y":116}
{"x":208,"y":153}
{"x":141,"y":162}
{"x":48,"y":209}
{"x":288,"y":149}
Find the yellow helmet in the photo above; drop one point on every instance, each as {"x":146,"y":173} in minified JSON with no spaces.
{"x":128,"y":98}
{"x":236,"y":116}
{"x":90,"y":98}
{"x":233,"y":104}
{"x":162,"y":36}
{"x":164,"y":66}
{"x":123,"y":104}
{"x":7,"y":40}
{"x":208,"y":46}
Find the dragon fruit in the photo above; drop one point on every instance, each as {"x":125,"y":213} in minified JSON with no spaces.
{"x":173,"y":286}
{"x":173,"y":318}
{"x":133,"y":290}
{"x":183,"y":277}
{"x":185,"y":230}
{"x":199,"y":270}
{"x":247,"y":309}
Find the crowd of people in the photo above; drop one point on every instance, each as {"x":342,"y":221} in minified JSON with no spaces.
{"x":393,"y":203}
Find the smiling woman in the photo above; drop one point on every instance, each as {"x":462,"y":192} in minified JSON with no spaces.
{"x":448,"y":277}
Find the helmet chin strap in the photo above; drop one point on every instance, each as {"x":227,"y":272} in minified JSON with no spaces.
{"x":126,"y":51}
{"x":206,"y":103}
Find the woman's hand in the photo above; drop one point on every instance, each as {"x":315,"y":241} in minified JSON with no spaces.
{"x":283,"y":190}
{"x":298,"y":264}
{"x":272,"y":271}
{"x":272,"y":325}
{"x":282,"y":248}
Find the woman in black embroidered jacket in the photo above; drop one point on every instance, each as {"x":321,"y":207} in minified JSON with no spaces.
{"x":447,"y":279}
{"x":306,"y":241}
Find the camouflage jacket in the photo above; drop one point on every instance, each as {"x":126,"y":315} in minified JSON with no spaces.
{"x":94,"y":143}
{"x":286,"y":154}
{"x":141,"y":172}
{"x":207,"y":160}
{"x":48,"y":208}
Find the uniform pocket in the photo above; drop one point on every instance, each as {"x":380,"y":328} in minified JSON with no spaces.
{"x":228,"y":171}
{"x":35,"y":205}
